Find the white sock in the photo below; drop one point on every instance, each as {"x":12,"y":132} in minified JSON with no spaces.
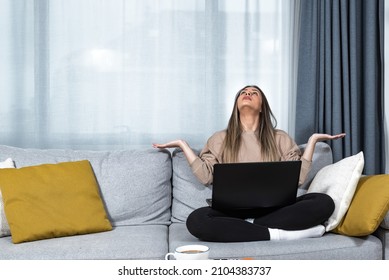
{"x":274,"y":233}
{"x":280,"y":234}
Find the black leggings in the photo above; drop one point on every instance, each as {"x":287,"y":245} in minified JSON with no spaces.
{"x":310,"y":210}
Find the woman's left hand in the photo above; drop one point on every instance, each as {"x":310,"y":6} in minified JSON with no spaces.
{"x":317,"y":137}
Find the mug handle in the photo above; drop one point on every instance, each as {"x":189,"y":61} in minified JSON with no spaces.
{"x":167,"y":255}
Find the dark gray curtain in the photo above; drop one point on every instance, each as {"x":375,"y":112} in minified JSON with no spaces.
{"x":340,"y":77}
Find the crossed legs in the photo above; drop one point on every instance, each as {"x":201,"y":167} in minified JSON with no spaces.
{"x":308,"y":211}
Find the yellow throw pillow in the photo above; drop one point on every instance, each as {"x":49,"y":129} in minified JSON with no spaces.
{"x":368,"y":207}
{"x":52,"y":200}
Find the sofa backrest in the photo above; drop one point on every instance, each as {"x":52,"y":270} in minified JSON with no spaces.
{"x":321,"y":157}
{"x":135,"y":185}
{"x":189,"y":194}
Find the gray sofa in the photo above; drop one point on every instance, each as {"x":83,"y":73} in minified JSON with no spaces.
{"x":148,"y":195}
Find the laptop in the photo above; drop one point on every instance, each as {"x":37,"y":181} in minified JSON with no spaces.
{"x":255,"y":185}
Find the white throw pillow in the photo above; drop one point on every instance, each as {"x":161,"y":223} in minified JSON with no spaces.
{"x":339,"y":181}
{"x":4,"y":227}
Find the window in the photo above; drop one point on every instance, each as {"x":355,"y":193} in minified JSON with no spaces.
{"x":126,"y":73}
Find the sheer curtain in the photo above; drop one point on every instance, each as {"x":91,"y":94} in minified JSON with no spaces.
{"x":125,"y":73}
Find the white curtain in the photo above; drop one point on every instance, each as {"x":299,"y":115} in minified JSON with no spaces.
{"x":104,"y":74}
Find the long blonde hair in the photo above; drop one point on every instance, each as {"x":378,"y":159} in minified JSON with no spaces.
{"x":266,"y":132}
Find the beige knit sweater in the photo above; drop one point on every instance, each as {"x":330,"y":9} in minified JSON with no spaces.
{"x":249,"y":151}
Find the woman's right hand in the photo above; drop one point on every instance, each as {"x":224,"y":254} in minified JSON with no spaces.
{"x":171,"y":144}
{"x":189,"y":154}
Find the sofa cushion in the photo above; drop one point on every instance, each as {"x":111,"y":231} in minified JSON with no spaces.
{"x":339,"y":181}
{"x":368,"y":207}
{"x":330,"y":246}
{"x":188,"y":193}
{"x":148,"y":242}
{"x":4,"y":227}
{"x":135,"y":184}
{"x":52,"y":200}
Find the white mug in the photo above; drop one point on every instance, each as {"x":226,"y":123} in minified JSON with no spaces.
{"x":190,"y":252}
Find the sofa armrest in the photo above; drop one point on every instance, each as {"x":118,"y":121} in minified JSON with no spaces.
{"x":383,"y":234}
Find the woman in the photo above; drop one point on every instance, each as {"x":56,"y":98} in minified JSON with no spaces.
{"x":251,"y":136}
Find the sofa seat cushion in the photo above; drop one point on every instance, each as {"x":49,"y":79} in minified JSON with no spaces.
{"x":135,"y":185}
{"x":331,"y":246}
{"x":123,"y":242}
